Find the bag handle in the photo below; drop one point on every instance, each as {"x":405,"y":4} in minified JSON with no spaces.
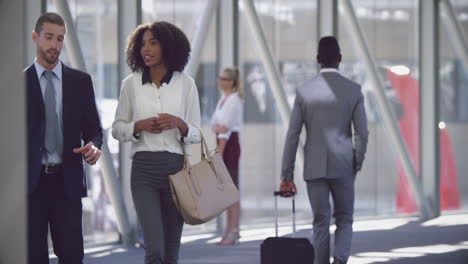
{"x":204,"y":156}
{"x":188,"y":166}
{"x":204,"y":146}
{"x":204,"y":150}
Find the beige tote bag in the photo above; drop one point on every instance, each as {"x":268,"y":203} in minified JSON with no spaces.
{"x":203,"y":191}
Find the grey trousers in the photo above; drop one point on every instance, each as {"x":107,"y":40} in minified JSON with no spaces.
{"x":342,"y":192}
{"x":160,"y":221}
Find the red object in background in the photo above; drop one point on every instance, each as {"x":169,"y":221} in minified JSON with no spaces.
{"x":407,"y":90}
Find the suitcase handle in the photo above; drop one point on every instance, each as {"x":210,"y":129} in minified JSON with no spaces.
{"x":282,"y":193}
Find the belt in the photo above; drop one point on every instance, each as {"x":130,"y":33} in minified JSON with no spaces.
{"x":51,"y":168}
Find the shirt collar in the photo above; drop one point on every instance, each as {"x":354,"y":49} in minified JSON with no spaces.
{"x":228,"y":95}
{"x":57,"y":70}
{"x":146,"y":77}
{"x":329,"y":70}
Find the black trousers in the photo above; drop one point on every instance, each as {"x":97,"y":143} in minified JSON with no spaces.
{"x":49,"y":206}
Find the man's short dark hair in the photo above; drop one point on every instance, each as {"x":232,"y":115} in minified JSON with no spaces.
{"x":52,"y":18}
{"x":328,"y":50}
{"x":175,"y":46}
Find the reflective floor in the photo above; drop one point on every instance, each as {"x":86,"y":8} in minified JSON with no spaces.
{"x":443,"y":240}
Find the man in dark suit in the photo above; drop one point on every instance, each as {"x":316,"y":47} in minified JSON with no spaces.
{"x":331,"y":107}
{"x":61,"y":113}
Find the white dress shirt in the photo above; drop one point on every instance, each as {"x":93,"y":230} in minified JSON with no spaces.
{"x":54,"y":157}
{"x":228,"y":114}
{"x":140,"y":101}
{"x":329,"y":70}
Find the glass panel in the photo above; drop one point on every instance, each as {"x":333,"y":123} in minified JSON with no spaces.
{"x":453,"y":103}
{"x":390,"y":31}
{"x":290,"y":30}
{"x":183,"y":13}
{"x":96,"y":25}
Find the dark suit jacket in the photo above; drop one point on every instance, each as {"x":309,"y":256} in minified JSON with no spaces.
{"x":80,"y":122}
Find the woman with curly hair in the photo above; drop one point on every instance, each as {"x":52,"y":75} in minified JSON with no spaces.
{"x":158,"y":110}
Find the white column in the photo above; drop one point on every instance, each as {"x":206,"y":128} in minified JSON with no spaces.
{"x":225,"y":34}
{"x":327,"y":18}
{"x":225,"y":54}
{"x":13,"y":190}
{"x":32,"y":11}
{"x":129,"y":16}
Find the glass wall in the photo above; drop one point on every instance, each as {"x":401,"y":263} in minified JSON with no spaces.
{"x":290,"y":30}
{"x":96,"y":25}
{"x":453,"y":107}
{"x":390,"y":31}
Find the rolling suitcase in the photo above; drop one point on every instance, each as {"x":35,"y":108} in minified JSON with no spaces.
{"x":286,"y":249}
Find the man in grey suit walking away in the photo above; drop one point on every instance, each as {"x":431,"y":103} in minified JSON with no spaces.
{"x":329,"y":106}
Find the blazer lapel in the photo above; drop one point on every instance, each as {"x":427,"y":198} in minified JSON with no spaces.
{"x":66,"y":99}
{"x":35,"y":90}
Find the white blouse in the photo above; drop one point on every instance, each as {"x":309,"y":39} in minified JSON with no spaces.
{"x":140,"y":101}
{"x":228,"y":114}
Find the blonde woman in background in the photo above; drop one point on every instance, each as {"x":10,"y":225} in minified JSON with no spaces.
{"x":226,"y":123}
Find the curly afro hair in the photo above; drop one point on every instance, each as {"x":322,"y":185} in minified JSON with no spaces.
{"x":174,"y":44}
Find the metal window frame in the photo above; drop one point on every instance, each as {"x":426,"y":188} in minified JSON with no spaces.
{"x":429,"y":104}
{"x":108,"y":171}
{"x":455,"y":31}
{"x":389,"y":119}
{"x":14,"y":190}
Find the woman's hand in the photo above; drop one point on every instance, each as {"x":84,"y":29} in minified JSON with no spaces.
{"x":166,"y":122}
{"x":147,"y":125}
{"x":221,"y":146}
{"x":219,"y":129}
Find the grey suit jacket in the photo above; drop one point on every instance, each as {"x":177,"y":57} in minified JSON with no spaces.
{"x":329,"y":105}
